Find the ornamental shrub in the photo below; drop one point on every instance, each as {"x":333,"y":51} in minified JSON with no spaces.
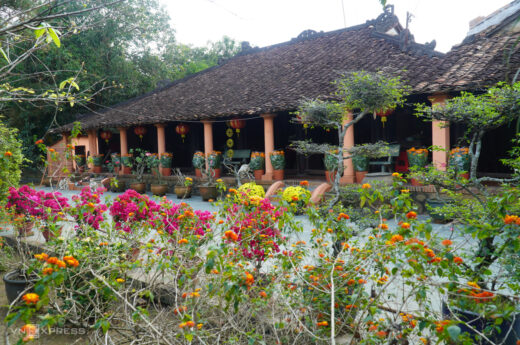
{"x":252,"y":189}
{"x":11,"y":159}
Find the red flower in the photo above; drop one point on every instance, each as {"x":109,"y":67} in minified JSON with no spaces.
{"x":447,"y":243}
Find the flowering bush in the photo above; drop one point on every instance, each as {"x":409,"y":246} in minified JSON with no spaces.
{"x":251,"y":189}
{"x":198,"y":160}
{"x":417,"y":157}
{"x":297,"y":196}
{"x":257,"y":161}
{"x":88,"y":209}
{"x":131,"y":209}
{"x":459,"y":159}
{"x":166,"y":160}
{"x":278,"y":160}
{"x":97,"y":160}
{"x":38,"y":204}
{"x":215,"y":160}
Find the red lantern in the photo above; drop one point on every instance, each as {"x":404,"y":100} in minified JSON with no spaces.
{"x":182,"y":130}
{"x":105,"y":135}
{"x":237,"y":124}
{"x":140,"y":131}
{"x":383,"y":114}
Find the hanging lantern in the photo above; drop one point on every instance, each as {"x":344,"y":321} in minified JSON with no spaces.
{"x":383,"y":114}
{"x":140,"y":131}
{"x":182,"y":130}
{"x":237,"y":124}
{"x":105,"y":135}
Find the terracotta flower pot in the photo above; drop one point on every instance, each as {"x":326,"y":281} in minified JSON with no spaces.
{"x":217,"y":172}
{"x":198,"y":173}
{"x":278,"y":175}
{"x":97,"y":169}
{"x":258,"y":174}
{"x":25,"y":229}
{"x":159,"y":189}
{"x":183,"y":192}
{"x":360,"y":175}
{"x":329,"y":176}
{"x":166,"y":171}
{"x":117,"y":168}
{"x":139,"y":187}
{"x":126,"y":171}
{"x":48,"y":234}
{"x":208,"y":192}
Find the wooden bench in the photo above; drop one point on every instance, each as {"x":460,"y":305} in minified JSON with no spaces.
{"x":387,"y":163}
{"x":239,"y":157}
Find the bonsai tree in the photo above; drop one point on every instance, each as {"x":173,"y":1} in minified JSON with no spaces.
{"x":361,"y":93}
{"x":482,"y":113}
{"x":139,"y":163}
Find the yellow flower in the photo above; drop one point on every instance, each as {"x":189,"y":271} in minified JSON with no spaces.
{"x":366,"y":186}
{"x":120,"y":280}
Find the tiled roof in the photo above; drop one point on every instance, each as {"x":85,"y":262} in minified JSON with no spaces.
{"x":278,"y":77}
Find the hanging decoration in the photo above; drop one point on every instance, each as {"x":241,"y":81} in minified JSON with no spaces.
{"x":229,"y":143}
{"x":229,"y":132}
{"x":237,"y":124}
{"x":383,"y":114}
{"x":140,"y":131}
{"x":182,"y":130}
{"x":229,"y":153}
{"x":105,"y":135}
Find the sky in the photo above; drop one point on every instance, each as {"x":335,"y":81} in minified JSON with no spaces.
{"x":266,"y":22}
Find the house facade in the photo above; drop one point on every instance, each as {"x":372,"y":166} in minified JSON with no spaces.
{"x":261,"y":87}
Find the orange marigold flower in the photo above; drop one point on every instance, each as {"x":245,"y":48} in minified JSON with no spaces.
{"x":396,"y":238}
{"x":362,"y":281}
{"x":8,"y":153}
{"x":61,"y":264}
{"x":30,"y":298}
{"x":447,"y":243}
{"x":343,"y":216}
{"x":42,"y":256}
{"x":396,"y":174}
{"x":52,"y":260}
{"x":263,"y":294}
{"x":38,"y":142}
{"x":510,"y":219}
{"x":249,"y":279}
{"x":383,"y":226}
{"x":304,"y":183}
{"x":30,"y":331}
{"x":405,"y":225}
{"x":411,"y":215}
{"x":47,"y":271}
{"x":366,"y":186}
{"x":381,"y":334}
{"x":322,"y":324}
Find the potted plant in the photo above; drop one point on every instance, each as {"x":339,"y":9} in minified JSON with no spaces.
{"x":159,"y":188}
{"x":116,"y":162}
{"x":199,"y":163}
{"x":97,"y":161}
{"x":116,"y":186}
{"x":166,"y":160}
{"x":360,"y":164}
{"x":278,"y":162}
{"x":257,"y":164}
{"x":215,"y":163}
{"x":459,"y":160}
{"x":139,"y":164}
{"x":183,"y":185}
{"x":417,"y":158}
{"x":152,"y":163}
{"x":297,"y":197}
{"x":208,"y":189}
{"x":81,"y":161}
{"x":126,"y":163}
{"x":330,"y":160}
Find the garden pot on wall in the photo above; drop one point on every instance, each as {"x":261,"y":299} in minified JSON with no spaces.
{"x":278,"y":175}
{"x":208,"y":192}
{"x":48,"y":234}
{"x":414,"y":182}
{"x":159,"y":189}
{"x":330,"y":176}
{"x":258,"y":174}
{"x":139,"y":187}
{"x":126,"y":171}
{"x":121,"y":187}
{"x":97,"y":169}
{"x":198,"y":173}
{"x":16,"y":283}
{"x":217,"y":172}
{"x":477,"y":322}
{"x":360,"y":164}
{"x":25,"y":229}
{"x":183,"y":192}
{"x":166,"y":171}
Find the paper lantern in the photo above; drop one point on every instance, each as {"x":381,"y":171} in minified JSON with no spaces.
{"x":182,"y":130}
{"x":237,"y":124}
{"x":105,"y":135}
{"x":140,"y":131}
{"x":383,"y":114}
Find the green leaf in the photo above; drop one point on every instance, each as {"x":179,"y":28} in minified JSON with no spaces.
{"x":54,"y":37}
{"x":39,"y":32}
{"x":188,"y":336}
{"x":454,"y":332}
{"x":4,"y":55}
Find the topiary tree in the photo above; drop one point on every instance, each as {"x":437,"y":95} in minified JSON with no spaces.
{"x":11,"y":159}
{"x":358,"y":94}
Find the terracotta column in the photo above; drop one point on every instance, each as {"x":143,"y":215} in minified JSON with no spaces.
{"x":161,"y":139}
{"x":69,"y":163}
{"x":208,"y":139}
{"x":92,"y":143}
{"x":268,"y":144}
{"x":440,"y":135}
{"x":348,"y":142}
{"x":123,"y":142}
